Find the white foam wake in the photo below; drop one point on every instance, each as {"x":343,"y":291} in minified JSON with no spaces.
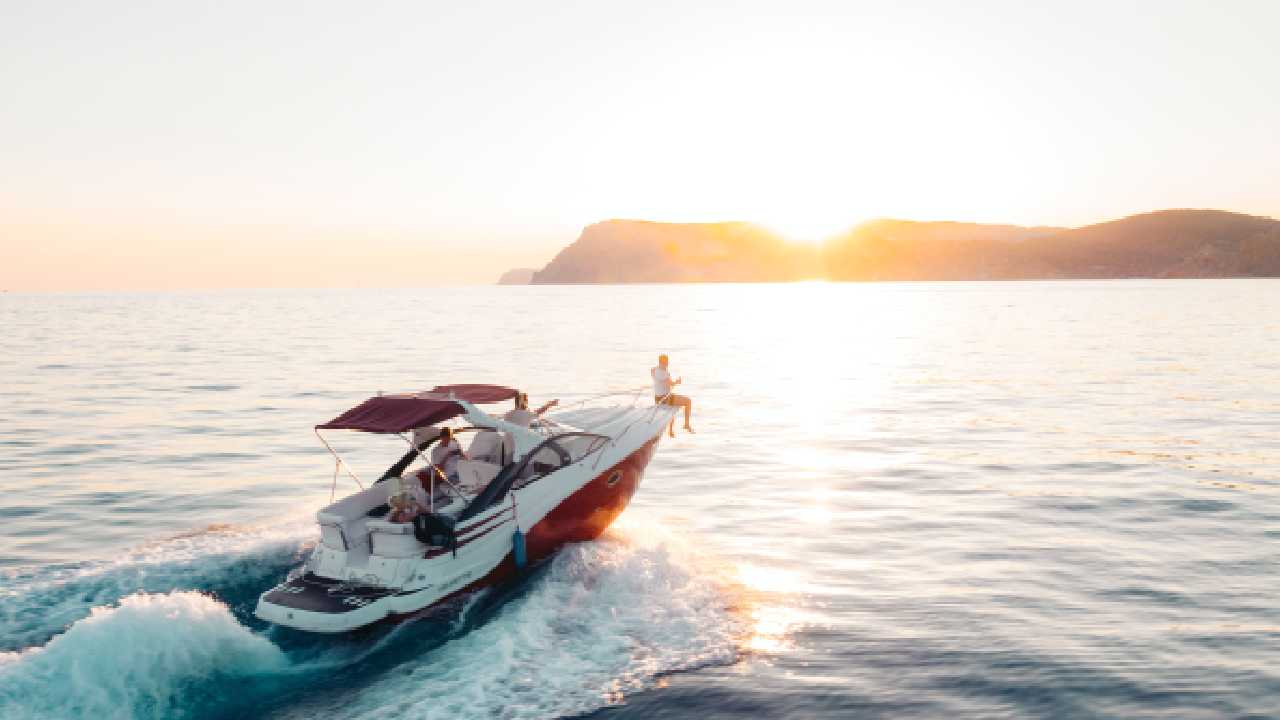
{"x":37,"y":603}
{"x":133,"y":660}
{"x":602,"y":620}
{"x":606,"y":619}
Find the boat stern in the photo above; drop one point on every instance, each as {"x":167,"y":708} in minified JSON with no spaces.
{"x":315,"y":604}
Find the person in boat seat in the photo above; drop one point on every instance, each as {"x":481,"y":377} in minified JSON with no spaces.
{"x":416,"y":488}
{"x":662,"y":394}
{"x":521,"y":414}
{"x":404,"y":508}
{"x":446,"y":454}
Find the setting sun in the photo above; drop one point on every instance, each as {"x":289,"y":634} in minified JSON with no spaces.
{"x":808,"y":228}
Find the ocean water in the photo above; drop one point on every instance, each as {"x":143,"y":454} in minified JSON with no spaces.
{"x":925,"y":500}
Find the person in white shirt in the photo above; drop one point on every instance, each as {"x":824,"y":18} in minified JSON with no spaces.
{"x":446,"y":454}
{"x":662,"y":394}
{"x":521,"y":414}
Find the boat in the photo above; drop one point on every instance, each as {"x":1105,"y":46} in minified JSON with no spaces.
{"x":524,"y":492}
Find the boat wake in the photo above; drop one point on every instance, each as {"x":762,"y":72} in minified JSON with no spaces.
{"x":148,"y":656}
{"x":232,"y":563}
{"x":169,"y":632}
{"x":606,"y":619}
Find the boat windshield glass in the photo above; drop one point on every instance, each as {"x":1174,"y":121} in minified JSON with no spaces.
{"x":548,"y":457}
{"x":557,"y":452}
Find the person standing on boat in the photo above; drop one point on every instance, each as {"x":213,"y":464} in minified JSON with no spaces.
{"x":662,"y":394}
{"x":446,"y":454}
{"x":521,"y":414}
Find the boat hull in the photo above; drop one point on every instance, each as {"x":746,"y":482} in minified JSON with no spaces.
{"x":590,"y":510}
{"x":318,"y":604}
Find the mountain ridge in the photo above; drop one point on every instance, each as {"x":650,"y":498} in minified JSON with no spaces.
{"x":1183,"y":243}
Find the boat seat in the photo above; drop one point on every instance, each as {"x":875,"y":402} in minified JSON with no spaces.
{"x":393,"y":540}
{"x":344,"y":534}
{"x":473,"y":475}
{"x":491,"y":446}
{"x":344,"y":524}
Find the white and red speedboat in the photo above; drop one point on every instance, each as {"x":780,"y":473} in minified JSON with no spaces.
{"x":522,"y":494}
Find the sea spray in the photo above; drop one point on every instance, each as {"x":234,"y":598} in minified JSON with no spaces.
{"x":599,"y":621}
{"x":604,"y":619}
{"x":234,"y":562}
{"x":138,"y":659}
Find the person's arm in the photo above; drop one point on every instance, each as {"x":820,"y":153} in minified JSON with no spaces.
{"x":547,"y":407}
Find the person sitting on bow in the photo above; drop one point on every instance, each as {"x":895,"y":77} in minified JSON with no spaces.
{"x":663,"y":395}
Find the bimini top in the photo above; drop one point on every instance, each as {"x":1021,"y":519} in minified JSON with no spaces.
{"x":406,"y":411}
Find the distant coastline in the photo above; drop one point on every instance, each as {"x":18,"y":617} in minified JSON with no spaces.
{"x":517,"y":276}
{"x":1182,"y":243}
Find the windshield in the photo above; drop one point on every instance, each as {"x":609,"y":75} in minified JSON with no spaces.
{"x":552,"y":455}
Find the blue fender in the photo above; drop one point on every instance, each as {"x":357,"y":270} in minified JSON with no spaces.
{"x":517,"y":547}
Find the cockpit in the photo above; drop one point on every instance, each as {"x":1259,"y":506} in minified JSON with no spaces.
{"x":415,"y":501}
{"x":490,"y":453}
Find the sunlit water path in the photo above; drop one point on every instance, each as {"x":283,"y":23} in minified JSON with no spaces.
{"x":905,"y":500}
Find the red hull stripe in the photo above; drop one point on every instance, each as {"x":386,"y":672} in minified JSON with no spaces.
{"x":479,"y":525}
{"x":484,"y":527}
{"x":437,"y":552}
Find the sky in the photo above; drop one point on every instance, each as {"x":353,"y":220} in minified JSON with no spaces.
{"x":163,"y":145}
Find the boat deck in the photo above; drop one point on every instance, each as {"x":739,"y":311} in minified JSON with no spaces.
{"x":313,"y":593}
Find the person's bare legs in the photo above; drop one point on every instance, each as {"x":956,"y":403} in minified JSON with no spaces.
{"x":682,"y":402}
{"x":687,"y":404}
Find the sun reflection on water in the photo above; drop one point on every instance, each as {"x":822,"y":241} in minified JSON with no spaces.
{"x":766,"y":599}
{"x":772,"y":608}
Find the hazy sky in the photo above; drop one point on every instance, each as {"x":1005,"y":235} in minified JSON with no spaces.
{"x":184,"y":144}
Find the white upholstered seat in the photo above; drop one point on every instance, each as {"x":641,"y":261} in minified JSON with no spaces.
{"x":343,"y":525}
{"x":491,"y":446}
{"x":393,"y":540}
{"x":473,"y":475}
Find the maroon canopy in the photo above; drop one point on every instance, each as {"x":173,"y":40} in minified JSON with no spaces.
{"x":393,"y":414}
{"x":400,"y":413}
{"x":474,"y":393}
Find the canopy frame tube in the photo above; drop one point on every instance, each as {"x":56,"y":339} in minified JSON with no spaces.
{"x":340,"y":463}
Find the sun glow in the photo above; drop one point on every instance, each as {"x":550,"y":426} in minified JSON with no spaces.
{"x":811,"y":227}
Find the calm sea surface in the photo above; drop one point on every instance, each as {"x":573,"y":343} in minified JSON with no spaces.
{"x":904,"y":500}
